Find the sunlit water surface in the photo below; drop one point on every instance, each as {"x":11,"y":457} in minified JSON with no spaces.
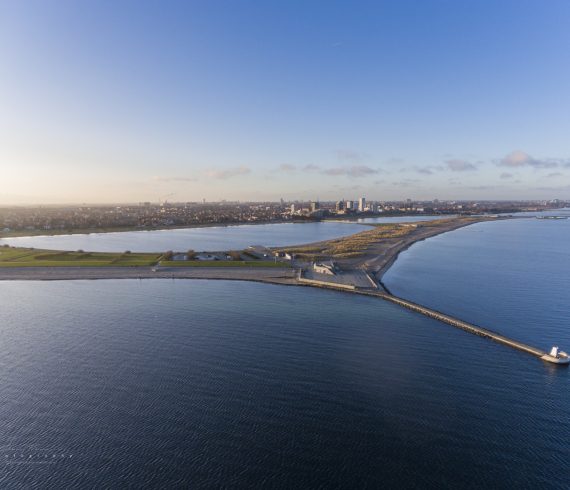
{"x":204,"y":384}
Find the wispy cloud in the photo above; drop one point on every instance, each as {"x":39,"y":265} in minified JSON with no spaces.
{"x":348,"y":188}
{"x":351,"y":156}
{"x":555,"y":188}
{"x":427,"y":170}
{"x":506,"y":175}
{"x":406,"y":183}
{"x":457,"y":165}
{"x":290,"y":168}
{"x":519,"y":158}
{"x":554,"y":174}
{"x":484,"y":187}
{"x":287,"y":167}
{"x":424,"y":171}
{"x":228,"y":173}
{"x":395,"y":160}
{"x":158,"y":178}
{"x":351,"y":171}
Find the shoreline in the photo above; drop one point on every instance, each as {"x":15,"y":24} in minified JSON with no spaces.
{"x":284,"y":277}
{"x":129,"y":229}
{"x":379,"y":256}
{"x":408,"y":243}
{"x":377,"y":261}
{"x":102,"y":231}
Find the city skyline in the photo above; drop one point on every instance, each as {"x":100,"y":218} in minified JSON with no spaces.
{"x":137,"y":102}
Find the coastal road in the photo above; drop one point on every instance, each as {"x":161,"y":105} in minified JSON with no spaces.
{"x":270,"y":274}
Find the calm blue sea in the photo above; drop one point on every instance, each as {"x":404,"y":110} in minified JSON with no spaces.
{"x":511,"y":276}
{"x":209,"y":384}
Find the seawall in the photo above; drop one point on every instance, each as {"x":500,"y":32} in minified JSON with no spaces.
{"x":468,"y":327}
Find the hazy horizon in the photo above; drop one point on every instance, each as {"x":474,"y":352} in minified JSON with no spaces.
{"x":124,"y":103}
{"x":223,"y":201}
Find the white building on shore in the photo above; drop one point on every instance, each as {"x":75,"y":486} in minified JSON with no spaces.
{"x":326,"y":267}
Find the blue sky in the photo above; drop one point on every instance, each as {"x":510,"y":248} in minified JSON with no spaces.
{"x":133,"y":101}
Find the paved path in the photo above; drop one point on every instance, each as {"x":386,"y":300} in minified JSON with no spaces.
{"x":357,"y":278}
{"x":269,"y":274}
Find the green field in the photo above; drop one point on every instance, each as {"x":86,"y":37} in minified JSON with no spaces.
{"x":29,"y":257}
{"x":26,"y":257}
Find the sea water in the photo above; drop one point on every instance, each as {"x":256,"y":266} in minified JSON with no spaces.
{"x":201,"y":384}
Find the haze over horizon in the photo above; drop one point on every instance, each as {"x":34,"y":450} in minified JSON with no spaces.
{"x":105,"y":102}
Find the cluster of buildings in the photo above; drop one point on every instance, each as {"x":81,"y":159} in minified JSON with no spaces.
{"x":316,"y":209}
{"x":137,"y":216}
{"x":163,"y":215}
{"x":360,"y":206}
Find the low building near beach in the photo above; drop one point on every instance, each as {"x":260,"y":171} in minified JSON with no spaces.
{"x":325,"y":267}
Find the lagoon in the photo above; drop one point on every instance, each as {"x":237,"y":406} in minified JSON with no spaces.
{"x":209,"y":238}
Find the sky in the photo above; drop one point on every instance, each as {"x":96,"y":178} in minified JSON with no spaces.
{"x":130,"y":101}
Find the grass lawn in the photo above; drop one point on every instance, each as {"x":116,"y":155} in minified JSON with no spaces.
{"x":27,"y":257}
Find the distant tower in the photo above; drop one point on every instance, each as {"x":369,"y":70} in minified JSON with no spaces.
{"x":349,"y":205}
{"x":361,"y":204}
{"x":292,"y":209}
{"x":314,"y":206}
{"x":339,"y":206}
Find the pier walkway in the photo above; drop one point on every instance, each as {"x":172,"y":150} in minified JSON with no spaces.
{"x":442,"y":317}
{"x":469,"y":327}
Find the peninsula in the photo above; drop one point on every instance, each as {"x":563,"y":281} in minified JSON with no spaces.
{"x":355,"y":263}
{"x":372,"y":250}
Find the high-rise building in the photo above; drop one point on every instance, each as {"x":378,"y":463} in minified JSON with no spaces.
{"x":339,"y":206}
{"x":362,"y":204}
{"x":292,"y":209}
{"x":349,"y":205}
{"x":314,"y":206}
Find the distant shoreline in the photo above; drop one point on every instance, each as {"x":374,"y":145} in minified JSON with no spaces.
{"x":125,"y":229}
{"x":128,"y":229}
